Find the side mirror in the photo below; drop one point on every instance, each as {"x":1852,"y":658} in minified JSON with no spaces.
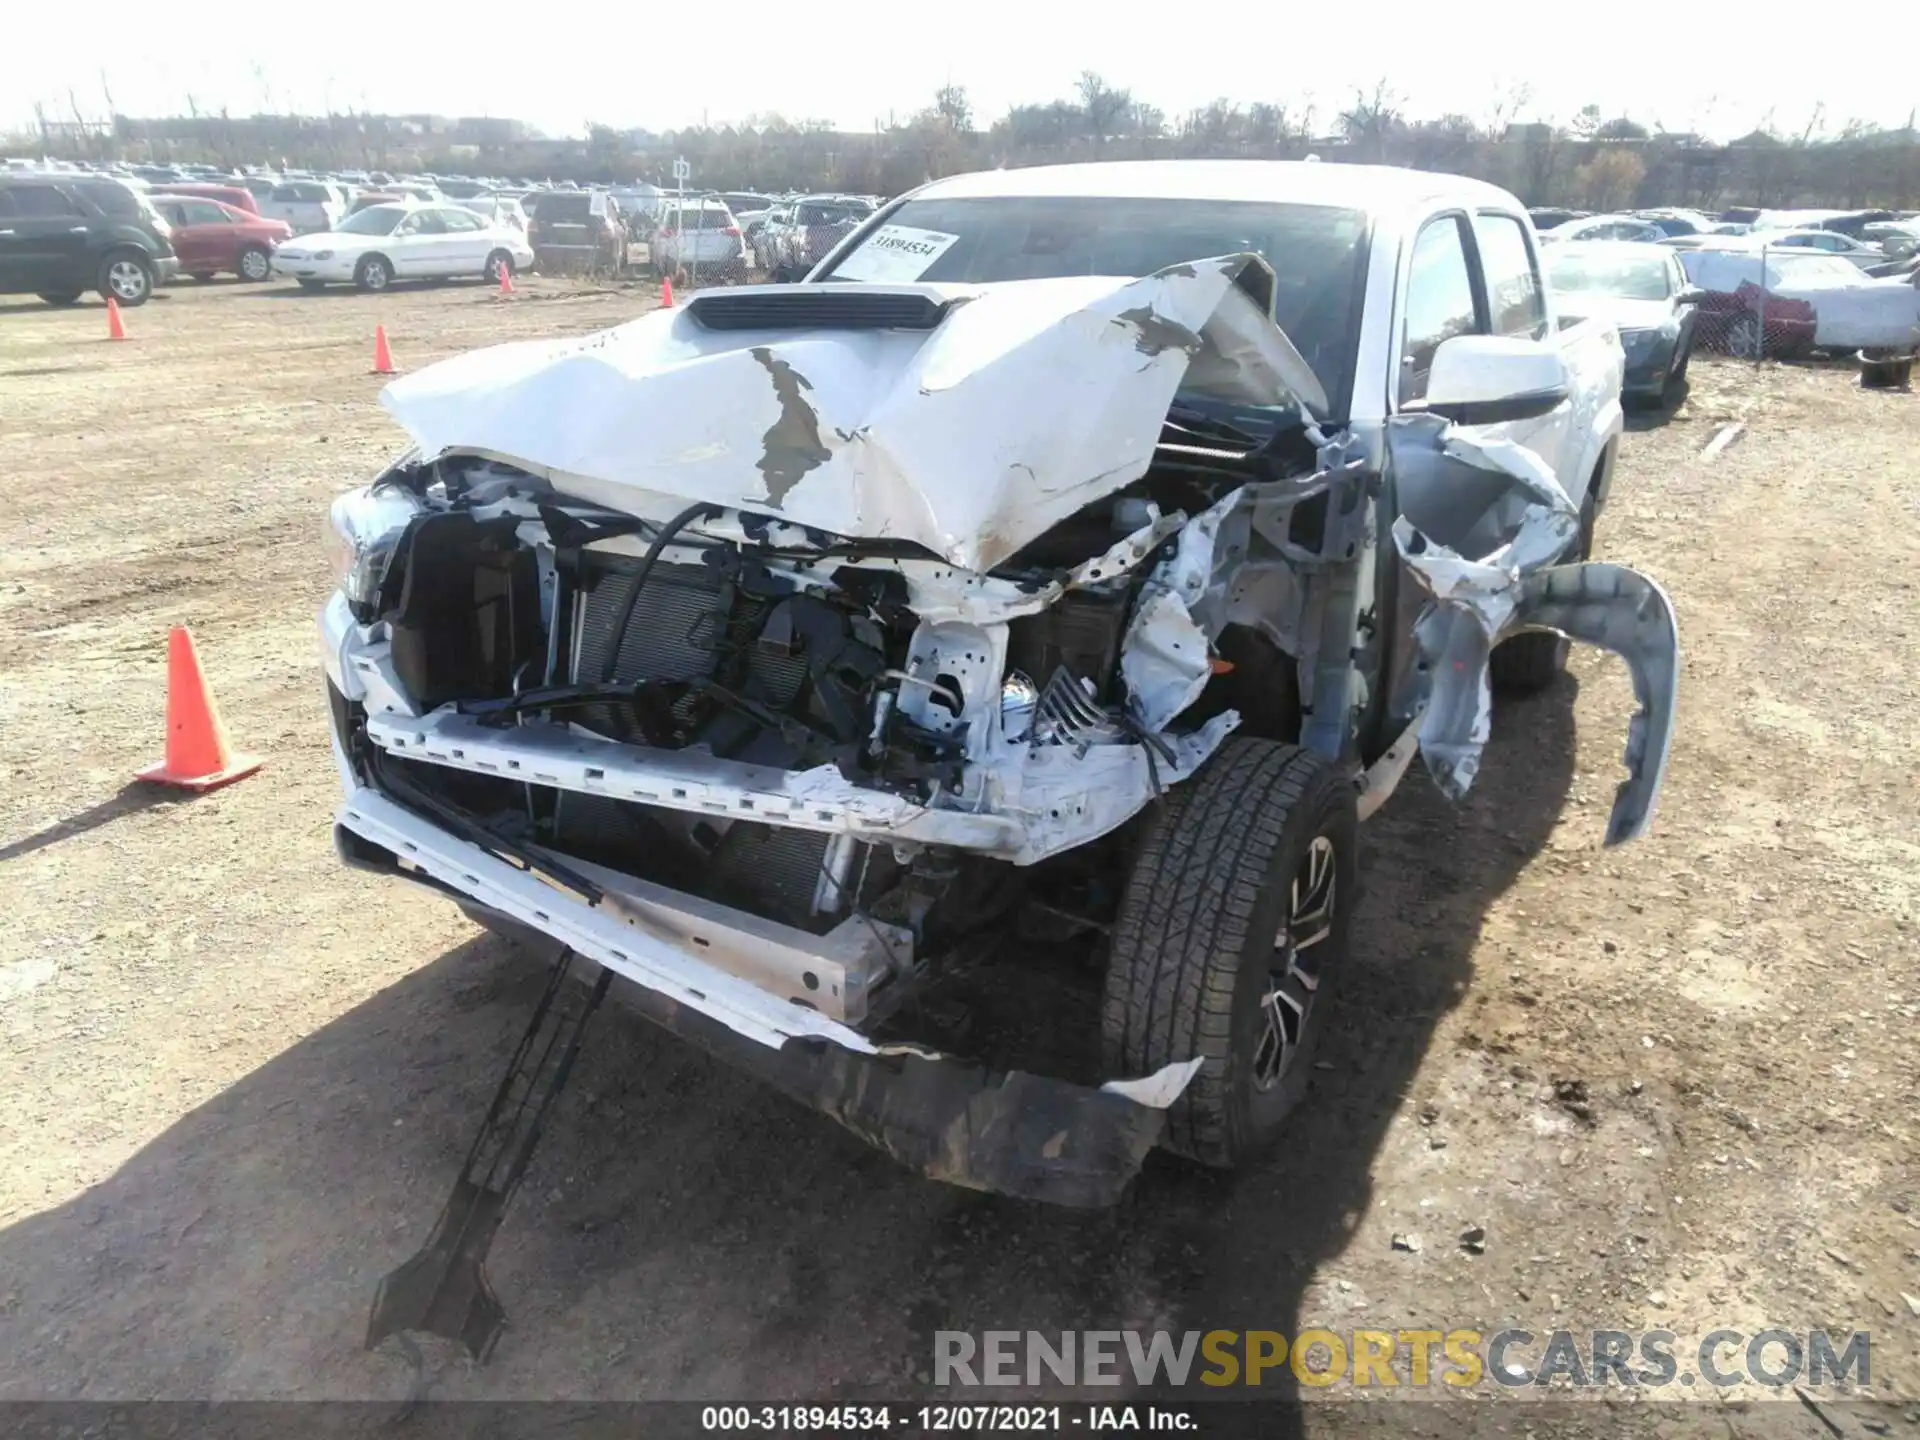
{"x":1692,"y":295}
{"x":1491,"y":379}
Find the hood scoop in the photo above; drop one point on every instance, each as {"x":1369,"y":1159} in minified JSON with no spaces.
{"x":818,"y":307}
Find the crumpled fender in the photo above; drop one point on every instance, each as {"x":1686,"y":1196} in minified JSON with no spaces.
{"x":1476,"y":601}
{"x":1621,"y":610}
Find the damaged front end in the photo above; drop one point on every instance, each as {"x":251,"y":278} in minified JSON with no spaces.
{"x":764,"y":651}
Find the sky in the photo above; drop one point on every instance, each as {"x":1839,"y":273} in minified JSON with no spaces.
{"x":671,"y":66}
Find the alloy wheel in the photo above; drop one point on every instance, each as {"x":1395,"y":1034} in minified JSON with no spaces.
{"x":127,"y":280}
{"x":1294,"y":977}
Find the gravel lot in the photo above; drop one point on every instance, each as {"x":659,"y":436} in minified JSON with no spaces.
{"x":1675,"y":1083}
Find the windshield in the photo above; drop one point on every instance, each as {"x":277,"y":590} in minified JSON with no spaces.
{"x":374,"y":220}
{"x":1630,"y":277}
{"x":1318,"y":253}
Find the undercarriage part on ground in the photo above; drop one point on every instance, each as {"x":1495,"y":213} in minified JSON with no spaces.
{"x":444,"y":1289}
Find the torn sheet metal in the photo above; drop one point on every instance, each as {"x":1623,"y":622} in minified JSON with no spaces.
{"x":1485,"y":555}
{"x":1029,"y":400}
{"x":1164,"y":652}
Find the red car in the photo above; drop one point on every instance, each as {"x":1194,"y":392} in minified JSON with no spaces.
{"x":237,"y":196}
{"x":211,"y":238}
{"x":1731,"y":321}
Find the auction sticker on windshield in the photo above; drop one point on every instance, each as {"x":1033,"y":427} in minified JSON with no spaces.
{"x":895,"y":252}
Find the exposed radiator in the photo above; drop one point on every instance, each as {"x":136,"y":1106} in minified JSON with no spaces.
{"x":682,"y":629}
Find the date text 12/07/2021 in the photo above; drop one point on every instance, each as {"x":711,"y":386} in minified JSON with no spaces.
{"x":942,"y":1419}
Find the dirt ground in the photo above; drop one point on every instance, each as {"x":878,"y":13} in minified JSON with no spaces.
{"x":1675,"y":1083}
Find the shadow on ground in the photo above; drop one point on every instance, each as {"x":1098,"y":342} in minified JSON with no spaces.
{"x":130,"y":799}
{"x":684,"y":1232}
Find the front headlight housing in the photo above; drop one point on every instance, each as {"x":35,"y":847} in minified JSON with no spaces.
{"x":363,"y":528}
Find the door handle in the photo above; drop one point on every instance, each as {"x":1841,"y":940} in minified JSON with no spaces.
{"x":76,"y":229}
{"x":4,"y":233}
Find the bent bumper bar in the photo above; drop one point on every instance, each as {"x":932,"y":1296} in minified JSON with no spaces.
{"x":1019,"y":1134}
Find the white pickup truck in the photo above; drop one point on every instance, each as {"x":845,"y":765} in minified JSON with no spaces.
{"x":309,"y":206}
{"x":765,"y":649}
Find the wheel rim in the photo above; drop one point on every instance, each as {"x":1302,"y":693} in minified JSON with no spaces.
{"x":1294,"y":977}
{"x":376,"y":276}
{"x":1744,"y":341}
{"x":253,"y":265}
{"x":126,"y":279}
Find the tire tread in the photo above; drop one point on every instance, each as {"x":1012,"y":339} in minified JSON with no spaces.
{"x":1183,"y":927}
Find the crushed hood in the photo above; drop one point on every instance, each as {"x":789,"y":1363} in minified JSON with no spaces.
{"x":1025,"y":402}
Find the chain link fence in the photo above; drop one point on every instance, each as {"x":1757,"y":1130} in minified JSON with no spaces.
{"x":1740,"y":312}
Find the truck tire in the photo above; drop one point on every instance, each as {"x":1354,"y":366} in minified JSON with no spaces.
{"x":1234,"y":922}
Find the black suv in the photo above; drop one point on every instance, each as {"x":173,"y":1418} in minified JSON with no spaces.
{"x":63,"y":234}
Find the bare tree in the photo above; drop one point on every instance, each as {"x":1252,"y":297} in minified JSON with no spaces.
{"x":950,"y":103}
{"x":1508,"y":102}
{"x":1103,"y":106}
{"x":1372,"y":119}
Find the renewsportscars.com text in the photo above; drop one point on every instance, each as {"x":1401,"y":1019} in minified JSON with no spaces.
{"x":1455,"y":1359}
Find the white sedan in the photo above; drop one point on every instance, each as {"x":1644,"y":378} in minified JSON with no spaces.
{"x":1823,"y":242}
{"x":384,"y":243}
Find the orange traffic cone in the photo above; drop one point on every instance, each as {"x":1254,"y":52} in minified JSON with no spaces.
{"x":116,"y":328}
{"x":666,"y":293}
{"x":506,"y":281}
{"x":382,"y":356}
{"x":197,"y":753}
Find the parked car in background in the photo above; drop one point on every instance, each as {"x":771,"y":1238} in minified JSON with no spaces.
{"x":1642,"y":290}
{"x":761,"y":234}
{"x":737,"y":201}
{"x":1856,"y":222}
{"x":1672,"y":222}
{"x":1825,"y":242}
{"x":307,"y":206}
{"x":638,"y":205}
{"x":1896,"y":238}
{"x":215,"y":239}
{"x":699,"y":236}
{"x":811,"y":230}
{"x":576,"y":230}
{"x":403,"y":242}
{"x":63,"y":234}
{"x":238,"y":196}
{"x":367,"y":199}
{"x":1606,"y":227}
{"x":1808,"y":302}
{"x":497,"y":210}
